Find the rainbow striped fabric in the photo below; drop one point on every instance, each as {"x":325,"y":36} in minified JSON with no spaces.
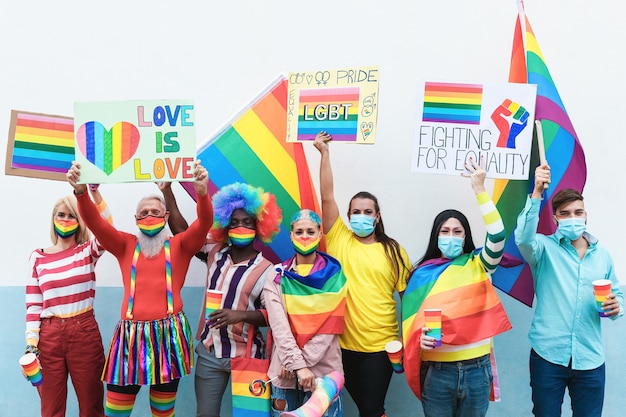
{"x":252,"y":148}
{"x":452,"y":103}
{"x":462,"y":290}
{"x":564,"y":154}
{"x":40,"y":145}
{"x":334,"y":110}
{"x":316,"y":303}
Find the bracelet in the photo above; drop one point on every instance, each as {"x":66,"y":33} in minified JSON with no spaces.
{"x":32,"y":349}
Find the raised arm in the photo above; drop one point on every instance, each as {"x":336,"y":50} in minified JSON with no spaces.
{"x":528,"y":220}
{"x":493,"y":248}
{"x":330,"y":210}
{"x":111,"y":239}
{"x":176,"y":220}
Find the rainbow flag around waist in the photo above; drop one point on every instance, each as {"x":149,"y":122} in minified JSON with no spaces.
{"x":471,"y":309}
{"x":316,"y":303}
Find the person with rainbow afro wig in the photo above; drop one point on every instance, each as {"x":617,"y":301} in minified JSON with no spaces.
{"x":254,"y":201}
{"x":242,"y":213}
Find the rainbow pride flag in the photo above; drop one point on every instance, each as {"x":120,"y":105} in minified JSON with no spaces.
{"x":316,"y":303}
{"x":462,"y":290}
{"x":564,"y":154}
{"x":334,"y":110}
{"x":452,"y":103}
{"x":252,"y":148}
{"x":40,"y":145}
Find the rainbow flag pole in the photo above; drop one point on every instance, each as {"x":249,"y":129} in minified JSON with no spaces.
{"x":563,"y":152}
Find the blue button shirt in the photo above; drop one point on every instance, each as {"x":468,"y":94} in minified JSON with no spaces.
{"x":566,"y":324}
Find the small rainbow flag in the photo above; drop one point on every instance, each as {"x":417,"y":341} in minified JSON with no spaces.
{"x":334,"y":110}
{"x":564,"y":154}
{"x":452,"y":103}
{"x":40,"y":145}
{"x":252,"y":148}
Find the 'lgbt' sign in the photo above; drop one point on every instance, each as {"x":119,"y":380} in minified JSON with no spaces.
{"x":340,"y":102}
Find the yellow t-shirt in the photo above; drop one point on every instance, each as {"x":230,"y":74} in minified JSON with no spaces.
{"x":370,"y":317}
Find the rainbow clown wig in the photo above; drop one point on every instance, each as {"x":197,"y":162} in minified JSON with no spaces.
{"x":254,"y":201}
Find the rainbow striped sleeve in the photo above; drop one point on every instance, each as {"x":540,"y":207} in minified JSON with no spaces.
{"x":492,"y":251}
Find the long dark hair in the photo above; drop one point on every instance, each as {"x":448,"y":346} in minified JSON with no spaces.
{"x":391,"y":246}
{"x":433,"y":252}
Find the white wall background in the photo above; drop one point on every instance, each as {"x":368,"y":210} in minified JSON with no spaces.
{"x":221,"y":54}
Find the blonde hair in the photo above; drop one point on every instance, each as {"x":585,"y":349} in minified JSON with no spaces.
{"x":82,"y":235}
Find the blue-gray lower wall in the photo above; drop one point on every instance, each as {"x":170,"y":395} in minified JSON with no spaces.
{"x":19,"y":399}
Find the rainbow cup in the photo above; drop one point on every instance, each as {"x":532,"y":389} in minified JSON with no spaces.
{"x":395,"y":350}
{"x":32,"y":368}
{"x":213,"y":302}
{"x":433,"y":321}
{"x":601,"y":288}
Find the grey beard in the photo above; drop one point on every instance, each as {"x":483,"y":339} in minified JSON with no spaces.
{"x":151,"y":246}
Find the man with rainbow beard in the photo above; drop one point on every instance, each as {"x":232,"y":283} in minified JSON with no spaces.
{"x":243,"y":213}
{"x":152,"y":343}
{"x":305,"y":304}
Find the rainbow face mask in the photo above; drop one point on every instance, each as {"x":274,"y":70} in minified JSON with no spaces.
{"x":65,"y":228}
{"x":151,"y":225}
{"x":305,"y":246}
{"x":241,"y":236}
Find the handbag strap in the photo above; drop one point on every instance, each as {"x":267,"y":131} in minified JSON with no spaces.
{"x":251,"y":333}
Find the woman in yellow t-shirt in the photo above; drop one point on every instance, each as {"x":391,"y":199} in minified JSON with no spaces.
{"x":375,"y":266}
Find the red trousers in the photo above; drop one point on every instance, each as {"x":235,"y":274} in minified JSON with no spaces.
{"x":71,"y":346}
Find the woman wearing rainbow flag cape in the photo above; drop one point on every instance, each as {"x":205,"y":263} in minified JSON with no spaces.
{"x":455,"y":378}
{"x":151,"y":344}
{"x":376,"y":266}
{"x":305,"y":304}
{"x":61,"y":328}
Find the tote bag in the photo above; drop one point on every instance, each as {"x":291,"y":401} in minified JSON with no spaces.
{"x":251,"y":394}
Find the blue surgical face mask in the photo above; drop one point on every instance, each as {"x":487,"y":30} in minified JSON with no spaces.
{"x":572,"y":228}
{"x":450,"y":246}
{"x":362,"y":225}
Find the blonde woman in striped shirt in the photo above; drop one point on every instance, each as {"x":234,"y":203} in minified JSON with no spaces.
{"x":60,"y":325}
{"x":455,"y":377}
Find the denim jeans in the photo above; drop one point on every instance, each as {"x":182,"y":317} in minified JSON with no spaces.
{"x":548,"y":382}
{"x":456,"y":389}
{"x":335,"y":409}
{"x":71,"y":346}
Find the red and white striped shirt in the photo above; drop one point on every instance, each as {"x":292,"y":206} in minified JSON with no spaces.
{"x":61,"y":284}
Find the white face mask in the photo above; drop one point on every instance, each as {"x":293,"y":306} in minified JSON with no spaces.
{"x":572,"y":228}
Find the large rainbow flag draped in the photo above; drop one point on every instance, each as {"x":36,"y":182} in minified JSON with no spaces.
{"x":462,"y":290}
{"x":563,"y":152}
{"x":315,"y":303}
{"x":252,"y":148}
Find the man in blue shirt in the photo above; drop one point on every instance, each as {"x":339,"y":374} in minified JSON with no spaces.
{"x":566,"y":333}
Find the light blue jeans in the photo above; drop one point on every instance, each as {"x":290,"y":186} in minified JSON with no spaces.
{"x":335,"y":409}
{"x":456,"y":389}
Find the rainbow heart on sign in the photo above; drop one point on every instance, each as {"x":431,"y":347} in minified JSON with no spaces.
{"x":108,"y":149}
{"x":366,"y":129}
